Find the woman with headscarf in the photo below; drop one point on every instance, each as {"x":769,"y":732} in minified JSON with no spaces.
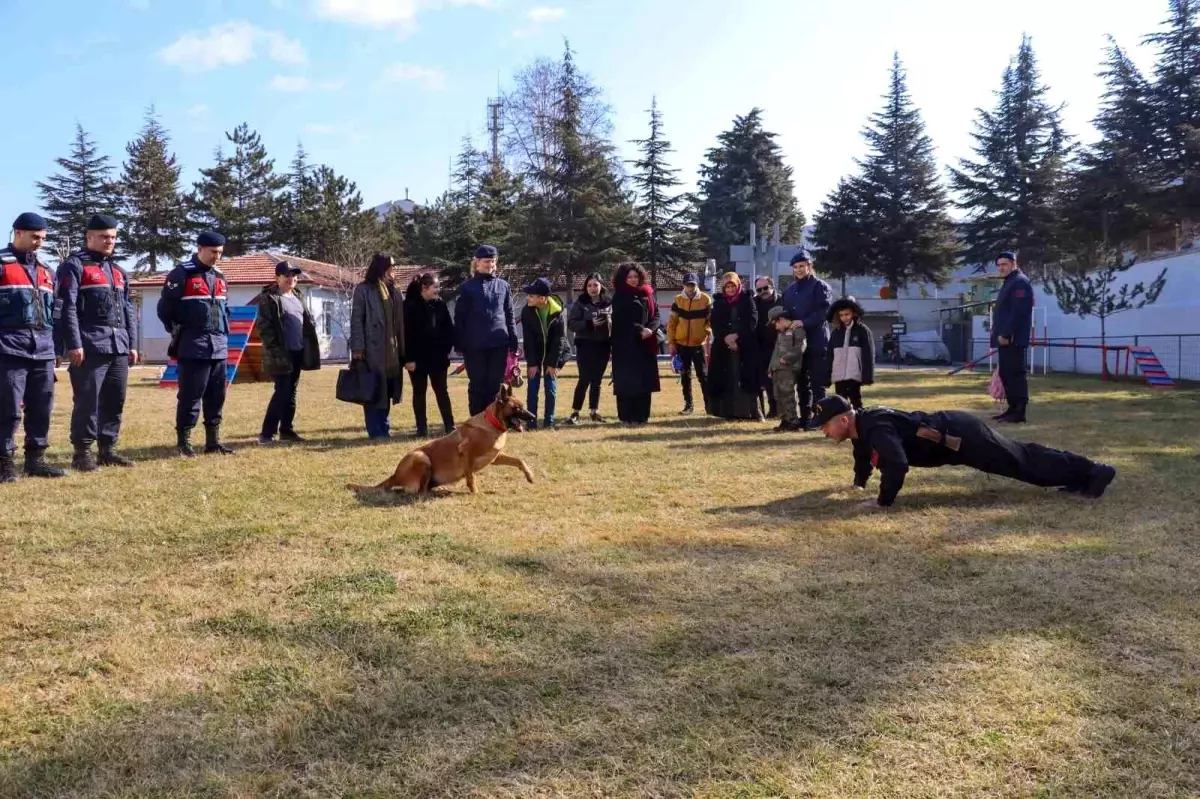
{"x":377,"y":339}
{"x":733,"y":380}
{"x":635,"y":321}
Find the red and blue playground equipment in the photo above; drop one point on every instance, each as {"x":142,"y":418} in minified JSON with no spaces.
{"x":1142,"y":358}
{"x":241,"y":328}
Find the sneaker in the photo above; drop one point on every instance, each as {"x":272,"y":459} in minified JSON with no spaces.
{"x":291,"y":436}
{"x":573,"y":420}
{"x":549,"y":425}
{"x":597,"y":418}
{"x":529,"y":428}
{"x":688,"y":409}
{"x":787,"y":427}
{"x":1098,"y":479}
{"x":266,"y":440}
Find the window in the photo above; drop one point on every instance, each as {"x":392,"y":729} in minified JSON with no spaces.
{"x":327,"y":318}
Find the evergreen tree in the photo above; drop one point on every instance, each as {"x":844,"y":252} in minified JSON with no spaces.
{"x":503,"y":212}
{"x":338,"y":215}
{"x":663,"y":237}
{"x":470,"y":169}
{"x":1012,"y":190}
{"x":237,"y":196}
{"x":1175,"y":99}
{"x":745,"y":180}
{"x":297,"y":209}
{"x":392,"y":231}
{"x":1090,"y":288}
{"x":891,"y":219}
{"x":154,"y":215}
{"x":83,"y":187}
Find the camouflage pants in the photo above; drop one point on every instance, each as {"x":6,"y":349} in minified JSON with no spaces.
{"x":785,"y":381}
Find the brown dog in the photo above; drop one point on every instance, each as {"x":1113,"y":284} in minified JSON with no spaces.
{"x":472,"y":447}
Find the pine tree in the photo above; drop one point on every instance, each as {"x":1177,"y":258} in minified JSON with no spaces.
{"x":1112,"y":196}
{"x":745,"y":180}
{"x":1012,"y":190}
{"x":1175,"y":99}
{"x":297,"y":209}
{"x":155,"y":214}
{"x":470,"y":169}
{"x":338,"y":213}
{"x":83,"y":187}
{"x":891,"y":219}
{"x":392,"y":231}
{"x":663,"y":237}
{"x":237,"y":196}
{"x":503,"y":212}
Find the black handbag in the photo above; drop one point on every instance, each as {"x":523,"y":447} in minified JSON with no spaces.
{"x":358,"y":384}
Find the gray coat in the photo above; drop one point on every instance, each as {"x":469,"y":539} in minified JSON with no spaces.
{"x":368,"y":334}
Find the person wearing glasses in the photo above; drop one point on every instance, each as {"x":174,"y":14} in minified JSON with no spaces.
{"x":766,"y":298}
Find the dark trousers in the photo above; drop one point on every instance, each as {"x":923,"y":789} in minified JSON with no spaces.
{"x":592,"y":359}
{"x":32,"y":382}
{"x":693,"y":358}
{"x":378,"y":420}
{"x":988,"y":451}
{"x":98,"y":385}
{"x":634,"y":408}
{"x":1013,"y":375}
{"x":851,"y":390}
{"x":421,"y":380}
{"x":812,"y":375}
{"x":485,"y":373}
{"x":281,"y":410}
{"x":201,"y":382}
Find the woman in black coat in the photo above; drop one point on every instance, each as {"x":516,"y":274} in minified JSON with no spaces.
{"x":635,"y":320}
{"x":429,"y":332}
{"x":733,"y":381}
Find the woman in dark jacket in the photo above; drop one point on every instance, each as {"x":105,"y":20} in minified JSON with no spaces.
{"x":589,"y":321}
{"x":377,"y":340}
{"x":429,"y":336}
{"x":850,"y":362}
{"x":289,"y":346}
{"x":733,"y":365}
{"x":635,"y":321}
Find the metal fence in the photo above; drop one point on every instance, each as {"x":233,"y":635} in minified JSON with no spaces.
{"x":1178,"y":353}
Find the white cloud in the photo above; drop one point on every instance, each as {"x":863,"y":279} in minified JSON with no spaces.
{"x":401,"y":14}
{"x":299,"y":83}
{"x":320,"y":129}
{"x":197,"y":111}
{"x":545,"y":13}
{"x":538,"y":16}
{"x":228,"y":44}
{"x":430,"y":78}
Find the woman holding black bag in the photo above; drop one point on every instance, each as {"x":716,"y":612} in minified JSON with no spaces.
{"x":377,"y":341}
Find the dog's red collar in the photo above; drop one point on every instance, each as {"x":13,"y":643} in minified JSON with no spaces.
{"x":493,"y":420}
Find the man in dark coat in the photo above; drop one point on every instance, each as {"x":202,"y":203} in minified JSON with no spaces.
{"x":485,"y":328}
{"x":808,"y":300}
{"x":27,"y":351}
{"x":1012,"y":323}
{"x":766,"y":298}
{"x":892,"y":441}
{"x":97,"y":328}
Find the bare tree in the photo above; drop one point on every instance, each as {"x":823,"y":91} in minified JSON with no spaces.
{"x":353,"y":255}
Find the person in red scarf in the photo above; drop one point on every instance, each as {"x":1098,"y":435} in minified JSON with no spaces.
{"x":635,"y":322}
{"x":733,"y":368}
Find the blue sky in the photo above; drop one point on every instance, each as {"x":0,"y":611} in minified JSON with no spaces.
{"x":383,"y":90}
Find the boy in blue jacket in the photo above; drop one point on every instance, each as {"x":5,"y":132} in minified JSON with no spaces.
{"x":485,"y":329}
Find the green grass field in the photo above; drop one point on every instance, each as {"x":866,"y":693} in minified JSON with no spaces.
{"x":692,"y":608}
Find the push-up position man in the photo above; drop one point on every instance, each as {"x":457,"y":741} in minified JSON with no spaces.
{"x":892,"y":441}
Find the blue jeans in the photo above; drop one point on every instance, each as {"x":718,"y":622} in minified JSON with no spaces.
{"x":535,"y":384}
{"x":377,"y":419}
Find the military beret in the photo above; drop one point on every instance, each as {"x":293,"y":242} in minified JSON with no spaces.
{"x":801,"y":256}
{"x":1009,"y":254}
{"x":210,"y":239}
{"x":29,"y":221}
{"x":102,"y":222}
{"x":485,"y":251}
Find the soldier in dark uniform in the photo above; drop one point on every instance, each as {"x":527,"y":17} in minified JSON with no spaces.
{"x":892,"y":441}
{"x":1012,"y":322}
{"x":26,"y":349}
{"x":96,"y":328}
{"x":194,"y":307}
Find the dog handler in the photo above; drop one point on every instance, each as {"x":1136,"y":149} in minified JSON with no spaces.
{"x":892,"y":441}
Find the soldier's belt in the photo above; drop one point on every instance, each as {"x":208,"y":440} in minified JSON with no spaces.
{"x":932,"y":434}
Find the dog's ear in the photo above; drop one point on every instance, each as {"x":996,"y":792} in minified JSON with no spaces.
{"x":505,"y":393}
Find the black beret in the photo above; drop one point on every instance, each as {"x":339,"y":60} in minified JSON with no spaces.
{"x":1009,"y":254}
{"x":29,"y":221}
{"x":102,"y":222}
{"x":485,"y":251}
{"x":210,"y":239}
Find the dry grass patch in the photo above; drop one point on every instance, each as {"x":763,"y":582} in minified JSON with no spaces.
{"x":693,"y":608}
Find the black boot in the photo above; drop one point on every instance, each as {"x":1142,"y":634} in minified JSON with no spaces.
{"x":8,"y":468}
{"x":688,"y":409}
{"x":36,"y":466}
{"x":110,"y":457}
{"x":1015,"y":415}
{"x":83,"y":460}
{"x":212,"y":441}
{"x":183,"y":441}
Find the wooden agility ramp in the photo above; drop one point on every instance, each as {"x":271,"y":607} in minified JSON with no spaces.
{"x":244,"y":362}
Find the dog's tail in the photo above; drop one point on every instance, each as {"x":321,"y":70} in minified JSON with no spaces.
{"x":386,"y":485}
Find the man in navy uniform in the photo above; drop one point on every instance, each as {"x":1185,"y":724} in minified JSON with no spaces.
{"x":808,"y":300}
{"x":26,"y":349}
{"x":1012,"y":322}
{"x":892,"y":441}
{"x":194,"y":308}
{"x":96,"y":326}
